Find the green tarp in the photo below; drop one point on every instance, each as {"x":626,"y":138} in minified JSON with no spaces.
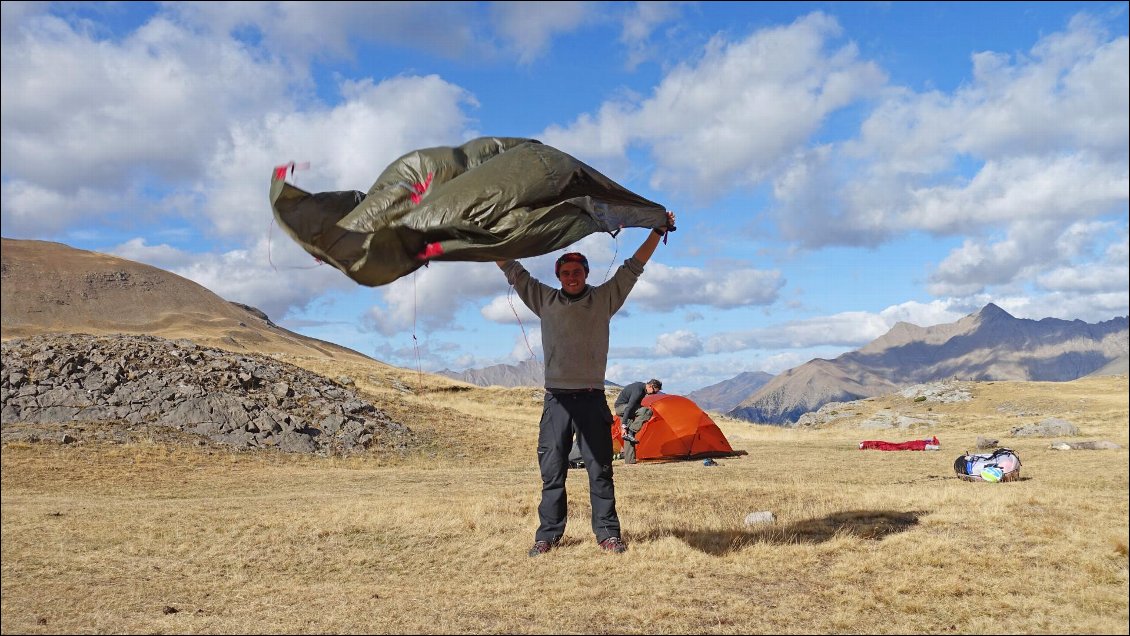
{"x":493,"y":198}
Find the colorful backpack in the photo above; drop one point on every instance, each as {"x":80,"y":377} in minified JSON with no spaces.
{"x":1002,"y":464}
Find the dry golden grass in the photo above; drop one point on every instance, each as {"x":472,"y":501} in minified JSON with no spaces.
{"x":147,"y":538}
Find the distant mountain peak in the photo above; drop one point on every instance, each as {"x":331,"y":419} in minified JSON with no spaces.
{"x":993,"y":312}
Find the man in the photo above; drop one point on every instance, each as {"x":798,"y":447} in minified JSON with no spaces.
{"x":574,"y":336}
{"x":632,"y":417}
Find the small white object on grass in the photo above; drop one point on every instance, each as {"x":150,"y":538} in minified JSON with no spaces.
{"x":757,"y":518}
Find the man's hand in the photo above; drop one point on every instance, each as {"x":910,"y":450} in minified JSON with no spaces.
{"x":670,"y":227}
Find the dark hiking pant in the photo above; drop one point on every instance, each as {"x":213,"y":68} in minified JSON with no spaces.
{"x":586,"y":414}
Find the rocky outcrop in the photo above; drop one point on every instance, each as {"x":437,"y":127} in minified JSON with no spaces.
{"x":244,"y":401}
{"x":1048,"y":427}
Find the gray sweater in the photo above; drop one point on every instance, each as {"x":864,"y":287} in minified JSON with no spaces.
{"x":574,"y":331}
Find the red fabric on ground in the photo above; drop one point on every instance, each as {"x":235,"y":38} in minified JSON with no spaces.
{"x":917,"y":444}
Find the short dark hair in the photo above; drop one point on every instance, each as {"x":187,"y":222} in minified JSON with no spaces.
{"x":571,"y":257}
{"x":656,"y":383}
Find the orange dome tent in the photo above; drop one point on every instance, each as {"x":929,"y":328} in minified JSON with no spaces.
{"x":678,"y":429}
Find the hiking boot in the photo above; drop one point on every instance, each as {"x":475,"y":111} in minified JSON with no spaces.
{"x":628,"y":437}
{"x":614,"y":545}
{"x":540,"y":547}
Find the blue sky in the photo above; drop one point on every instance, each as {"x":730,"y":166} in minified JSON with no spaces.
{"x":835,"y":167}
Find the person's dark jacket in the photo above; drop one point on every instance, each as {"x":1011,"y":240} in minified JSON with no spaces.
{"x":629,"y":400}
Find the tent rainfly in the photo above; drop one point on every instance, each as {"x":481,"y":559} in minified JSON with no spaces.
{"x":678,"y":429}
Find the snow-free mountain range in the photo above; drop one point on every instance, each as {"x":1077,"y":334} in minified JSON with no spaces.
{"x":988,"y":345}
{"x":51,"y":287}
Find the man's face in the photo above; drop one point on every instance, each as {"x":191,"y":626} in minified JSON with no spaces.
{"x":572,"y":277}
{"x":649,"y":388}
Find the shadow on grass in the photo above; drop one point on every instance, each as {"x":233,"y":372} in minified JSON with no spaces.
{"x":874,"y":525}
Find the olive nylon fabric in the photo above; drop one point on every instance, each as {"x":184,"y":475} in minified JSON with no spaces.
{"x":493,"y":198}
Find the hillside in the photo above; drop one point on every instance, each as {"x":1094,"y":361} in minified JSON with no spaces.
{"x":54,"y":288}
{"x":126,"y":352}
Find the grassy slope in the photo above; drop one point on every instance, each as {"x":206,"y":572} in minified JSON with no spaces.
{"x":149,"y":538}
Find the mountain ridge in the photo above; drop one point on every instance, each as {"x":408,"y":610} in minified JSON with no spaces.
{"x":989,"y":344}
{"x":529,"y":372}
